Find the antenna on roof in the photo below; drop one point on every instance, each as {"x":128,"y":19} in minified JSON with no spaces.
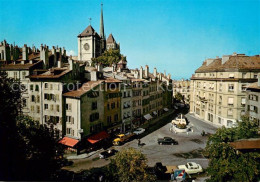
{"x":90,"y":21}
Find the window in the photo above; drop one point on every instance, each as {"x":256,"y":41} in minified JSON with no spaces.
{"x":31,"y":87}
{"x":230,"y":112}
{"x":38,"y":99}
{"x":23,"y":75}
{"x":38,"y":109}
{"x":243,"y":87}
{"x":113,"y":105}
{"x":33,"y":98}
{"x":219,"y":120}
{"x":70,"y":119}
{"x":243,"y":102}
{"x":57,"y":108}
{"x":15,"y":75}
{"x":51,"y":108}
{"x":230,"y":101}
{"x":116,"y":117}
{"x":32,"y":108}
{"x":255,"y":75}
{"x":68,"y":107}
{"x":231,"y":87}
{"x":46,"y":85}
{"x":45,"y":106}
{"x":94,"y":105}
{"x":68,"y":131}
{"x":94,"y":117}
{"x":108,"y":119}
{"x":108,"y":107}
{"x":229,"y":123}
{"x":37,"y":88}
{"x":243,"y":75}
{"x":51,"y":86}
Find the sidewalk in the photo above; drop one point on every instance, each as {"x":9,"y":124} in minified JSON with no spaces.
{"x":82,"y":156}
{"x":210,"y":123}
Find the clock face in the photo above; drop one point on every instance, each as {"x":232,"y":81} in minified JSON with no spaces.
{"x":86,"y":46}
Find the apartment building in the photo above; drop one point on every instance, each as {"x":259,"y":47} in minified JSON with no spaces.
{"x":253,"y":101}
{"x":182,"y":87}
{"x":218,"y":88}
{"x":84,"y":110}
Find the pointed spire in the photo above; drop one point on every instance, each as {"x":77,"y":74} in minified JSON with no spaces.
{"x":102,"y":34}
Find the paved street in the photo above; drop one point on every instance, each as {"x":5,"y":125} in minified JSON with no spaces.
{"x":189,"y":148}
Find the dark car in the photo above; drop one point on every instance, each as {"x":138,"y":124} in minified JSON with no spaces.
{"x":167,"y":141}
{"x":107,"y":153}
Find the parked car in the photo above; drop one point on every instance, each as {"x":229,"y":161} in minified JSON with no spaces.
{"x":139,"y":131}
{"x":191,"y":168}
{"x":107,"y":153}
{"x":121,"y":138}
{"x":167,"y":141}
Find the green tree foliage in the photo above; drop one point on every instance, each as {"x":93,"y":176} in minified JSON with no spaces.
{"x":129,"y":165}
{"x":226,"y":164}
{"x":109,"y":57}
{"x":29,"y":150}
{"x":179,"y":97}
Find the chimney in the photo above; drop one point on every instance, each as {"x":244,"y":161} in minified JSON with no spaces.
{"x":114,"y":67}
{"x":25,"y":52}
{"x":160,"y":76}
{"x":33,"y":49}
{"x":93,"y":76}
{"x":53,"y":51}
{"x":141,"y":73}
{"x":164,"y":73}
{"x":44,"y":56}
{"x":146,"y":71}
{"x":63,"y":51}
{"x":70,"y":63}
{"x":169,"y":76}
{"x":155,"y":72}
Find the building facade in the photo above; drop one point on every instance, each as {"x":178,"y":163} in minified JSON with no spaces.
{"x":218,"y":88}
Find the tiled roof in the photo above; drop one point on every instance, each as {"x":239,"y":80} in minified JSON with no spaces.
{"x":18,"y":66}
{"x":233,"y":63}
{"x":83,"y":89}
{"x":253,"y":143}
{"x":89,"y":31}
{"x":112,"y":80}
{"x":110,"y":39}
{"x":51,"y":73}
{"x":254,"y":86}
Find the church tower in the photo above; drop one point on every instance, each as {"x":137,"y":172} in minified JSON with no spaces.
{"x":102,"y":31}
{"x":89,"y":45}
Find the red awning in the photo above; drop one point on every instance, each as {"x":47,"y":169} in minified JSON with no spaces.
{"x":71,"y":142}
{"x":98,"y":137}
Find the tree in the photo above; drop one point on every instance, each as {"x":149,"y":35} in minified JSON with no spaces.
{"x":109,"y":57}
{"x":129,"y":165}
{"x":226,"y":164}
{"x":179,"y":97}
{"x":10,"y":106}
{"x":29,"y":151}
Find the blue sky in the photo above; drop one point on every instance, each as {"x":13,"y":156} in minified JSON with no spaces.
{"x":172,"y":35}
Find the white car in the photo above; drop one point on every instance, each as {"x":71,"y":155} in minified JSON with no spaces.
{"x":191,"y":168}
{"x":139,"y":131}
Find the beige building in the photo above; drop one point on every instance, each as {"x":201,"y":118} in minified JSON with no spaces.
{"x":218,"y":88}
{"x":182,"y":87}
{"x":253,"y":101}
{"x":84,"y":110}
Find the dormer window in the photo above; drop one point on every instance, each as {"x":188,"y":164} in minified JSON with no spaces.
{"x":231,"y":75}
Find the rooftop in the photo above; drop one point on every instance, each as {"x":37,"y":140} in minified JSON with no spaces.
{"x":86,"y":87}
{"x":252,"y":143}
{"x":234,"y":62}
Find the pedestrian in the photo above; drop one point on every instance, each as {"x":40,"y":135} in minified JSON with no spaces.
{"x":139,"y":142}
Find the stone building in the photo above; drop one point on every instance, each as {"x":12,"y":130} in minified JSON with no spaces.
{"x":218,"y":88}
{"x":253,"y":100}
{"x":84,"y":110}
{"x":182,"y":87}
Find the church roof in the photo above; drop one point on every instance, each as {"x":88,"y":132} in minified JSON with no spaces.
{"x":110,"y":39}
{"x":89,"y":31}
